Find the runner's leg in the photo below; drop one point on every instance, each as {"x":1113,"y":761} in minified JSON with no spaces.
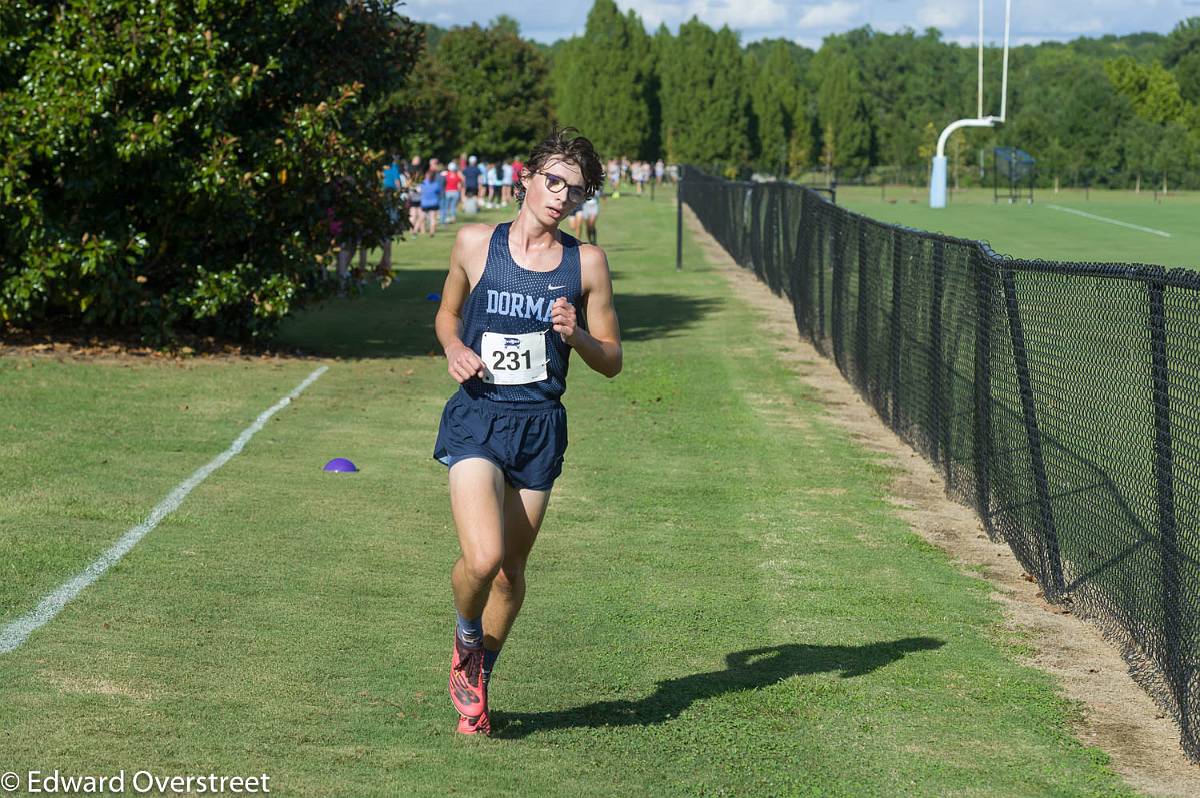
{"x":477,"y":492}
{"x":523,"y":513}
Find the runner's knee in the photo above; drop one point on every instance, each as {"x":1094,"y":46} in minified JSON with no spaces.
{"x":482,"y":567}
{"x":511,"y":576}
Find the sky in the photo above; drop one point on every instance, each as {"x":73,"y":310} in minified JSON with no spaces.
{"x":808,"y":22}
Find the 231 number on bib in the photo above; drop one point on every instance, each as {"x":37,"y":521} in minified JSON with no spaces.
{"x":513,"y":359}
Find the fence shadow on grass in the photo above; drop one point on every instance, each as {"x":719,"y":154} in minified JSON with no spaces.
{"x":746,"y":670}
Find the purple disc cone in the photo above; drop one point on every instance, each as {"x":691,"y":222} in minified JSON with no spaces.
{"x":340,"y":464}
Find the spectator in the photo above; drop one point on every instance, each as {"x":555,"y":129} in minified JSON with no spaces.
{"x":493,"y":186}
{"x":416,"y":218}
{"x":471,"y":186}
{"x":431,"y":198}
{"x":346,"y":245}
{"x":453,"y":192}
{"x":506,"y":184}
{"x":395,"y":195}
{"x":443,"y":211}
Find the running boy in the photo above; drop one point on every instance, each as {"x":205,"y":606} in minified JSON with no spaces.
{"x":518,"y":298}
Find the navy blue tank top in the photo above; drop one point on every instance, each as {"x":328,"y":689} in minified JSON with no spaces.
{"x":514,"y":300}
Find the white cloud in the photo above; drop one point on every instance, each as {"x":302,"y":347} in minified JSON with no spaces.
{"x":737,"y":14}
{"x":653,"y":12}
{"x":944,"y":16}
{"x":838,"y":14}
{"x":809,"y":21}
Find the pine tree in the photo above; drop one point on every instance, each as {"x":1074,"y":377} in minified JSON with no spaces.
{"x":501,"y":88}
{"x":780,"y":104}
{"x":705,"y":106}
{"x":605,"y":82}
{"x":845,"y":123}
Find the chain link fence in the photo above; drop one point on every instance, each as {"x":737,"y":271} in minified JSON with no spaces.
{"x":1060,"y":400}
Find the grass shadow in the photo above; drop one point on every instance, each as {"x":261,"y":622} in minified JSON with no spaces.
{"x":380,"y":323}
{"x":745,"y":670}
{"x":398,"y":321}
{"x":647,"y":316}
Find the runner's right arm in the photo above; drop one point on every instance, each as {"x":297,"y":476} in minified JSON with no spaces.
{"x":462,"y":362}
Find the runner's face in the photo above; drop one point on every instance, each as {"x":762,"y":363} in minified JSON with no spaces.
{"x":552,"y":205}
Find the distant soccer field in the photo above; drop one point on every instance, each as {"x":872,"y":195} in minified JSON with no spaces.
{"x":1052,"y":228}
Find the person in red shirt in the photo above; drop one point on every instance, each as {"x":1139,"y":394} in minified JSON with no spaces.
{"x":517,"y":167}
{"x":454,"y":184}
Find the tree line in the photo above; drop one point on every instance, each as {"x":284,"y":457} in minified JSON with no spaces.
{"x":1119,"y":111}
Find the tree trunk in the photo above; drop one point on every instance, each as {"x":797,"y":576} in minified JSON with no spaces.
{"x":1056,"y":184}
{"x":1137,"y":186}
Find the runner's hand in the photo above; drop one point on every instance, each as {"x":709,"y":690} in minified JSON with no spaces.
{"x":562,"y":316}
{"x":463,"y":363}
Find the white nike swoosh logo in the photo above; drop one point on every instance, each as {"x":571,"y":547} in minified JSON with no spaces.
{"x":556,"y":287}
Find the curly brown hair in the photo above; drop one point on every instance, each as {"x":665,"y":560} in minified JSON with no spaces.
{"x":566,"y":144}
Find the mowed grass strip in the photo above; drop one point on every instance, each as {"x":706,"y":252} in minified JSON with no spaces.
{"x":722,"y":601}
{"x":1038,"y":231}
{"x":88,"y":449}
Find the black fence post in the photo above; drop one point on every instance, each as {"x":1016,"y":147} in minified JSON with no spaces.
{"x":982,"y":265}
{"x":1052,"y":560}
{"x":1164,"y":466}
{"x":935,"y":352}
{"x":802,"y":268}
{"x":679,"y":223}
{"x":757,"y":197}
{"x":785,"y":225}
{"x":820,"y":262}
{"x":779,"y":238}
{"x":862,"y":312}
{"x":837,"y":296}
{"x":897,"y":331}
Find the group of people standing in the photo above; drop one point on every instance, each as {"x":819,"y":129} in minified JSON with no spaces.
{"x":639,"y":173}
{"x":432,"y":192}
{"x":435,"y":191}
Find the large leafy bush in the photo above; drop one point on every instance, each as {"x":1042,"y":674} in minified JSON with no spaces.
{"x":171,"y":166}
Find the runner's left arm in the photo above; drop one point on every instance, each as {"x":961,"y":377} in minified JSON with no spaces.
{"x":600,"y":344}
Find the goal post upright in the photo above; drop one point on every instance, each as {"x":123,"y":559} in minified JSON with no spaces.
{"x":937,"y":176}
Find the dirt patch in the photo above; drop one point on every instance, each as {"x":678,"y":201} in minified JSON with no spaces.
{"x":1117,"y":715}
{"x":93,"y":685}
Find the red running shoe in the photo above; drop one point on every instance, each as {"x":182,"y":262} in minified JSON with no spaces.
{"x":480,"y":725}
{"x":466,"y":680}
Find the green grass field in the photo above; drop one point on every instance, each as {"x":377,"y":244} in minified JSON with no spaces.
{"x":722,"y":602}
{"x":1041,"y":231}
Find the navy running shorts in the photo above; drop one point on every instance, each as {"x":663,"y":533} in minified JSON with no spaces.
{"x":526,"y":440}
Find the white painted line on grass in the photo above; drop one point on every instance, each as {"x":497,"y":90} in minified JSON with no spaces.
{"x":12,"y":635}
{"x":1087,"y":215}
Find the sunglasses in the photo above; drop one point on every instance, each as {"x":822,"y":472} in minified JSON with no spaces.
{"x":575,"y":194}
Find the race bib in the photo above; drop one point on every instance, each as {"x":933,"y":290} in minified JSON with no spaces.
{"x":513,"y":359}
